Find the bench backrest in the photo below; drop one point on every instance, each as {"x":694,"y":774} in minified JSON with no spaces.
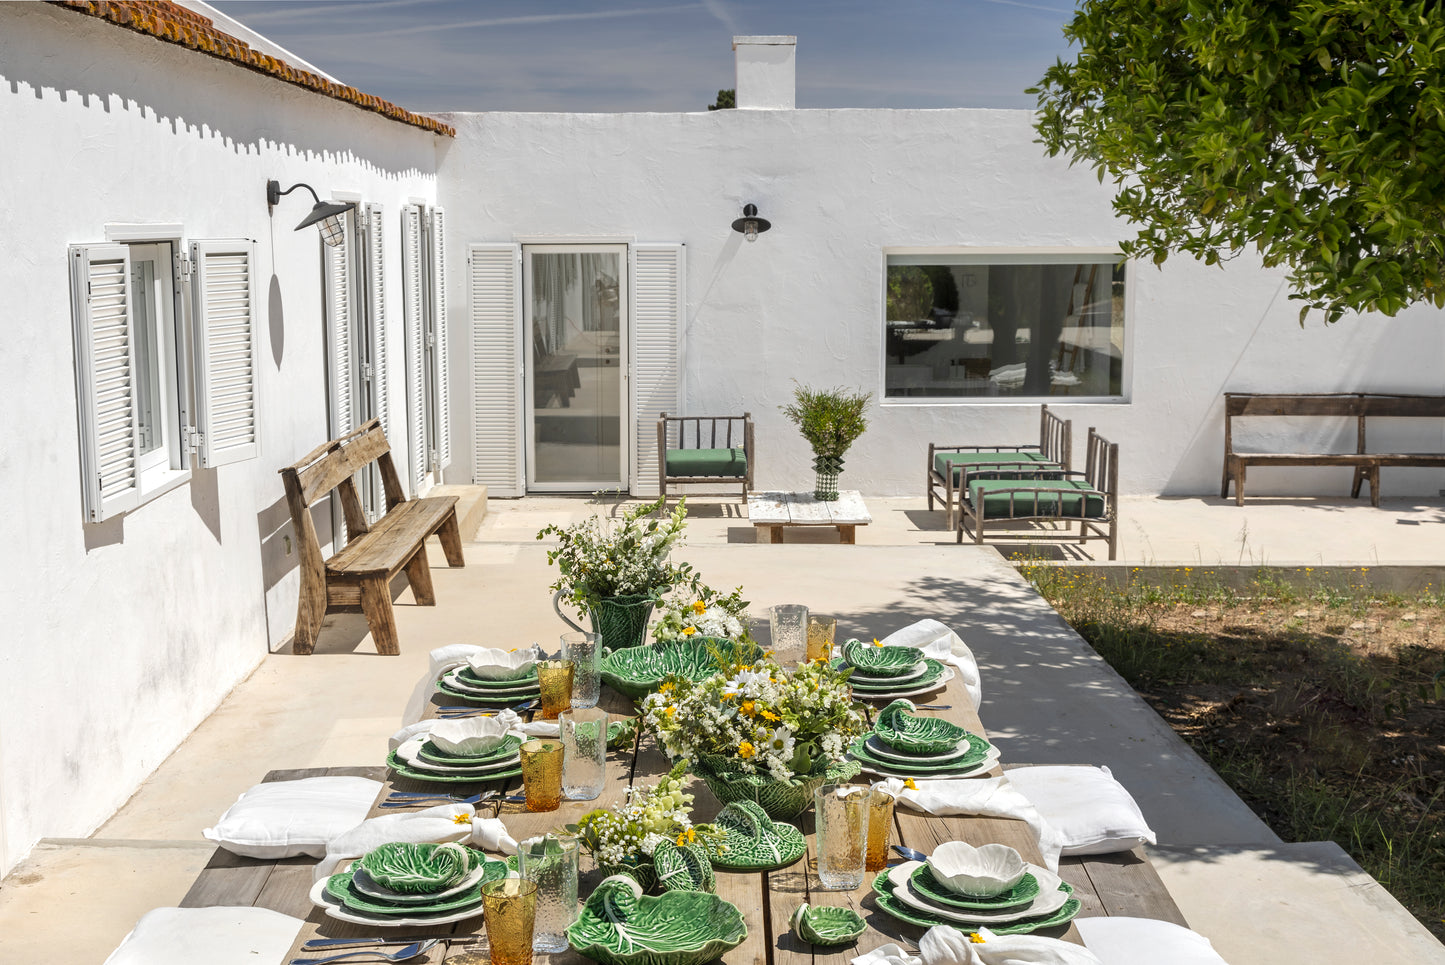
{"x":708,"y":432}
{"x":334,"y":465}
{"x":1101,"y":464}
{"x":1380,"y":405}
{"x":1056,"y":438}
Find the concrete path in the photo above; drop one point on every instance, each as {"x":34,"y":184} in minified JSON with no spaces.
{"x":1050,"y":699}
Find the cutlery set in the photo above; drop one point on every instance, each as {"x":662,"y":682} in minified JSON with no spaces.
{"x":372,"y":949}
{"x":413,"y":799}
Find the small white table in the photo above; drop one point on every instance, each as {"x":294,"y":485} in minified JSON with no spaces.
{"x":774,"y":510}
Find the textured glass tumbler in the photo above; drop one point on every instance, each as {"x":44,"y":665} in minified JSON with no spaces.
{"x":585,"y":652}
{"x":842,"y":822}
{"x":554,"y":677}
{"x":542,"y":774}
{"x":584,"y":753}
{"x":880,"y":829}
{"x":789,"y":625}
{"x":510,"y":907}
{"x":821,"y":631}
{"x":550,"y":862}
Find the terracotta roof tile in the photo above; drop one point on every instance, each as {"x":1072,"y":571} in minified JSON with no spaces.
{"x":176,"y":24}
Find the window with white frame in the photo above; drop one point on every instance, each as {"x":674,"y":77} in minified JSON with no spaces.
{"x":165,"y":353}
{"x":1011,"y":325}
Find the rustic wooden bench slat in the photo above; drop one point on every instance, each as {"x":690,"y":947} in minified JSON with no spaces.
{"x":1362,"y":406}
{"x":360,"y":574}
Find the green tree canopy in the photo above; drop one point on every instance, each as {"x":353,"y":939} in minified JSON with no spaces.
{"x":1311,"y":129}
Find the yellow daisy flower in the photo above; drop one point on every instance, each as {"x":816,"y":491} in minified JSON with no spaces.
{"x":769,"y":715}
{"x":911,"y":784}
{"x":699,"y":608}
{"x":689,"y":631}
{"x":976,"y":938}
{"x":746,"y":750}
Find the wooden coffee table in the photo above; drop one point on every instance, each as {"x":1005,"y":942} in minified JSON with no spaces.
{"x":774,"y":510}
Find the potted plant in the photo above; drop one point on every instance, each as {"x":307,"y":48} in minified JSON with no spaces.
{"x":756,"y":732}
{"x":615,"y":571}
{"x":830,"y":419}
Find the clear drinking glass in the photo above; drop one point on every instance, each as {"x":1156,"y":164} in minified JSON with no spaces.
{"x":842,"y":821}
{"x":550,"y":861}
{"x":542,"y":774}
{"x":585,"y":652}
{"x":789,"y":624}
{"x":584,"y":753}
{"x":554,"y":679}
{"x":510,"y":908}
{"x":880,"y":829}
{"x":821,"y":631}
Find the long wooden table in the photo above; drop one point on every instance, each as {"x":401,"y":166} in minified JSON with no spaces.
{"x":1108,"y":885}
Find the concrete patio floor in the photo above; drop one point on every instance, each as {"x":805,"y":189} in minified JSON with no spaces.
{"x":1049,"y":699}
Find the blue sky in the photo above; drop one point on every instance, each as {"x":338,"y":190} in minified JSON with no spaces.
{"x":655,"y":55}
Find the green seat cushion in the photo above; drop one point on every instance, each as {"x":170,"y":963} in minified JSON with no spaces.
{"x":1077,"y":498}
{"x":981,"y":460}
{"x":707,"y":462}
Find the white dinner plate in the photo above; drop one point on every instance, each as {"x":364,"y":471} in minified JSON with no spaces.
{"x":409,"y":754}
{"x":944,"y":774}
{"x":917,"y":670}
{"x":943,"y":678}
{"x":362,"y":882}
{"x":883,"y":751}
{"x":335,"y":909}
{"x":1049,"y":899}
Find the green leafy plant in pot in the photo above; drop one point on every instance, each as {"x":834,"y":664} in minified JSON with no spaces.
{"x":831,"y":420}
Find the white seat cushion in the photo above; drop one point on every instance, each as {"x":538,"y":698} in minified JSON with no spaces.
{"x":1092,"y":811}
{"x":283,"y":819}
{"x":1144,"y":941}
{"x":215,"y":936}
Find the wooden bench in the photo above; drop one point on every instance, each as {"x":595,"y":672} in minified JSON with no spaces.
{"x":1055,"y":448}
{"x":361,"y":574}
{"x":1025,"y":493}
{"x":720,"y":451}
{"x":1361,"y":406}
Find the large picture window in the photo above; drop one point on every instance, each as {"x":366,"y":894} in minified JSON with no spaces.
{"x":1017,"y":325}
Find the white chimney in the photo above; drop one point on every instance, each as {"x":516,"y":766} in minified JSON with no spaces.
{"x":767,"y":72}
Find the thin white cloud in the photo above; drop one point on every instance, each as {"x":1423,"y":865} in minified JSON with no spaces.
{"x":1030,"y":6}
{"x":723,"y":15}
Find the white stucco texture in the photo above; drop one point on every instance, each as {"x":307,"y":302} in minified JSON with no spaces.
{"x":121,"y":636}
{"x":805,"y":301}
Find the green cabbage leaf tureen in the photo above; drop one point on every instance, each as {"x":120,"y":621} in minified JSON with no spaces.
{"x":619,"y":925}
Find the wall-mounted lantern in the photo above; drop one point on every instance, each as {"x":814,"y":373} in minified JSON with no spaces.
{"x":327,"y":214}
{"x":750,"y":225}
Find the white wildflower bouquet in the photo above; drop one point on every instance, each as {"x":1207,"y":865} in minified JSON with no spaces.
{"x":630,"y":832}
{"x":762,"y":719}
{"x":696,"y":609}
{"x":598,"y":558}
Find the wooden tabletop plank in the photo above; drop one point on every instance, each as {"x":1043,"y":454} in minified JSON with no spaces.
{"x":768,"y":508}
{"x":1127,"y":885}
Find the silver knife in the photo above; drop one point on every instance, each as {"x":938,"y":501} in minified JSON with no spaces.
{"x":337,"y":942}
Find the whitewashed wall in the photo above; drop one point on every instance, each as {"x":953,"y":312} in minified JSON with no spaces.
{"x":120,"y":637}
{"x":806,"y":300}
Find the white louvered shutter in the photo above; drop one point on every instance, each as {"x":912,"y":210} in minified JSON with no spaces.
{"x":223,"y":326}
{"x":337,"y":264}
{"x":105,"y":386}
{"x":413,"y":289}
{"x":376,"y":311}
{"x":494,"y":288}
{"x":441,"y":379}
{"x":657,"y":312}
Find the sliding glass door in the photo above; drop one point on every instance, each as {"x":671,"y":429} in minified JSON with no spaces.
{"x":575,"y":347}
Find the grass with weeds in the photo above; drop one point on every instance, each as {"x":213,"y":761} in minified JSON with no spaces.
{"x":1322,"y":706}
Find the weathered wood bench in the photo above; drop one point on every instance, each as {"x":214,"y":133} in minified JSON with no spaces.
{"x":718,"y":451}
{"x":1023,"y":493}
{"x":949,"y":465}
{"x":361,"y":574}
{"x":1361,"y":406}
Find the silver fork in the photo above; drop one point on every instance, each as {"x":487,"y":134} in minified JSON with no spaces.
{"x":374,"y":954}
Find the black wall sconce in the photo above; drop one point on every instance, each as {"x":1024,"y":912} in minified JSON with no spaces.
{"x":326,"y":214}
{"x":750,"y":225}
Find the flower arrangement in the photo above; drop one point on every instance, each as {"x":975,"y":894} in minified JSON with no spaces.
{"x":596,"y":559}
{"x":696,"y":609}
{"x":762,"y":719}
{"x":628,"y":833}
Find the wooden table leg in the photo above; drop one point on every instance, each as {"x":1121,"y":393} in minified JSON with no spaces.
{"x":847,"y":534}
{"x":775,"y":534}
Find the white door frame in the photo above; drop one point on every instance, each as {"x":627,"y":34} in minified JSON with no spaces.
{"x":624,"y":362}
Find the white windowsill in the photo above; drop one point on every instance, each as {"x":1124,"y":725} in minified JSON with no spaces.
{"x":159,"y":481}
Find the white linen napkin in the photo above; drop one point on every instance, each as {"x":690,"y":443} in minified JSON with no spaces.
{"x":438,"y":825}
{"x":439,"y":661}
{"x":946,"y":945}
{"x":514,"y":722}
{"x":992,"y":797}
{"x":941,"y":643}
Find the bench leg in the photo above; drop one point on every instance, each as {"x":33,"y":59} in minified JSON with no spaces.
{"x":310,"y":611}
{"x":1375,"y":486}
{"x":418,"y":573}
{"x":1355,"y":483}
{"x":376,"y":604}
{"x":450,"y":534}
{"x":847,"y":534}
{"x":1239,"y":485}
